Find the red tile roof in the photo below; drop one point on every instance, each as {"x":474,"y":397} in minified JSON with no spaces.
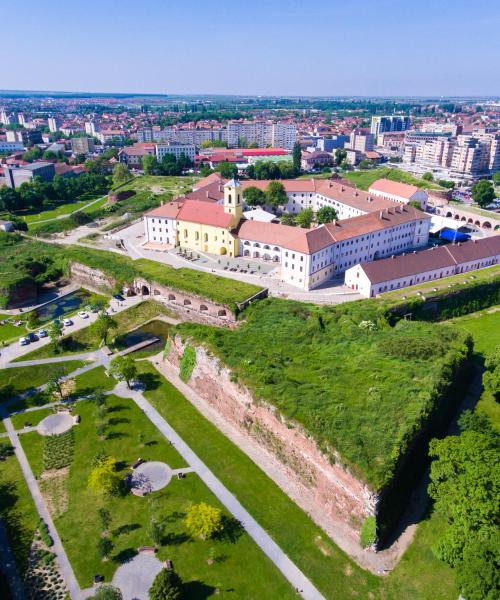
{"x":386,"y":186}
{"x":205,"y":213}
{"x":167,"y":211}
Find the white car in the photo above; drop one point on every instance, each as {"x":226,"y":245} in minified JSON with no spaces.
{"x":24,"y":341}
{"x":83,"y":314}
{"x":42,"y":333}
{"x":67,"y":322}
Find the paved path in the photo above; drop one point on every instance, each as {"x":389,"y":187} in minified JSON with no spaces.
{"x":57,"y":548}
{"x":297,"y":579}
{"x":66,"y":215}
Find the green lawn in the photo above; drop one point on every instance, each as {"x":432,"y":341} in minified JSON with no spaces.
{"x":33,"y":417}
{"x":20,"y":379}
{"x":160,"y":184}
{"x":59,"y":209}
{"x":17,"y":510}
{"x":85,"y":340}
{"x":79,"y":528}
{"x":364,"y":179}
{"x":419,"y":576}
{"x":9,"y":331}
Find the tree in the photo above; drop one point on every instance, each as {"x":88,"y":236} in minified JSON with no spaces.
{"x":97,"y":302}
{"x":227,"y":170}
{"x":288,"y":219}
{"x":297,"y":156}
{"x":203,"y":520}
{"x":99,"y":397}
{"x":55,"y":385}
{"x":326,"y":214}
{"x":465,"y":485}
{"x":121,"y":174}
{"x":305,"y":218}
{"x":155,"y":532}
{"x":496,"y":177}
{"x":107,"y":592}
{"x":104,"y":519}
{"x":340,"y":156}
{"x":483,"y":193}
{"x":166,"y":586}
{"x":104,"y":479}
{"x":104,"y":548}
{"x":10,"y":199}
{"x":276,"y":194}
{"x":101,"y":327}
{"x":55,"y":334}
{"x":124,"y":369}
{"x":149,"y":164}
{"x":253,"y":196}
{"x":428,"y":176}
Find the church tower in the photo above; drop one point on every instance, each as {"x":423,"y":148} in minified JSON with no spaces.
{"x":233,"y":200}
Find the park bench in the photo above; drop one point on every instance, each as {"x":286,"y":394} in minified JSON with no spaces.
{"x":137,"y":463}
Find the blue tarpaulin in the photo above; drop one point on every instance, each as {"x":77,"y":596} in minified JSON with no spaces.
{"x":451,"y":235}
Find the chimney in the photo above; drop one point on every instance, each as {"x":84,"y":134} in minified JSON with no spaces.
{"x":342,"y":189}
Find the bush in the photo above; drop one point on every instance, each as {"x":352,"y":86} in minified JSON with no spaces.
{"x":166,"y":586}
{"x":368,"y":533}
{"x":203,"y":520}
{"x":44,"y":533}
{"x":187,"y":364}
{"x":58,"y":450}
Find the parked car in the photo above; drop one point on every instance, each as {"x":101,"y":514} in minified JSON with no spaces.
{"x":119,"y":297}
{"x":67,"y":322}
{"x":24,"y":341}
{"x":32,"y":337}
{"x":83,"y":314}
{"x":42,"y":333}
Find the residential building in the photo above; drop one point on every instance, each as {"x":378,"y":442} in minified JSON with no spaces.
{"x":133,"y":155}
{"x":389,"y":123}
{"x":82,"y":145}
{"x":11,"y":146}
{"x":53,"y":124}
{"x":280,"y":135}
{"x":27,"y":137}
{"x":396,"y":272}
{"x":189,"y":150}
{"x":312,"y":160}
{"x":361,"y":141}
{"x":391,"y":140}
{"x":331,"y":144}
{"x":15,"y":176}
{"x":90,"y":128}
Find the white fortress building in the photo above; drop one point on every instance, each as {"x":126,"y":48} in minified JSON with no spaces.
{"x":369,"y":227}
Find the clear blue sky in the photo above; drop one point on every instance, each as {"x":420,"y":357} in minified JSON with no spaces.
{"x":288,"y":47}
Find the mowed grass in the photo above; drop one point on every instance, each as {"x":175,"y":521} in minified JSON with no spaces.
{"x":419,"y":576}
{"x":85,"y":340}
{"x":60,"y":209}
{"x":9,"y":331}
{"x":17,"y":380}
{"x":176,"y":185}
{"x":33,"y":417}
{"x":364,"y":179}
{"x":79,"y":525}
{"x":17,"y":511}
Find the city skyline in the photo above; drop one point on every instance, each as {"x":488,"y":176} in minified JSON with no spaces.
{"x":382,"y":50}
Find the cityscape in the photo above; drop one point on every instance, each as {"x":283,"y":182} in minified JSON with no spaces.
{"x":250,"y":337}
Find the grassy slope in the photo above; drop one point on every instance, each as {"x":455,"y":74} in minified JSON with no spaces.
{"x":321,"y":370}
{"x":419,"y":576}
{"x":9,"y":331}
{"x":364,"y":179}
{"x":79,"y":529}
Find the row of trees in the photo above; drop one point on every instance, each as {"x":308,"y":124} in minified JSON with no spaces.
{"x":267,"y":169}
{"x":169,"y":165}
{"x":38,"y":194}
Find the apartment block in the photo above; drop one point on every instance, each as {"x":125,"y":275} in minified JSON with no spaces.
{"x":389,"y":123}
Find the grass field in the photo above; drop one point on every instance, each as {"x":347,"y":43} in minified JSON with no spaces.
{"x":131,"y":514}
{"x":160,"y":184}
{"x":364,"y":179}
{"x":9,"y":331}
{"x":62,"y":210}
{"x":20,"y":379}
{"x":419,"y":576}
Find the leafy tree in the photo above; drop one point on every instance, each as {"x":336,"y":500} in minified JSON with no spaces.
{"x":297,"y":156}
{"x":446,"y":183}
{"x":99,"y":397}
{"x":465,"y":485}
{"x":10,"y":199}
{"x":483,"y":192}
{"x":121,"y":174}
{"x":166,"y":586}
{"x":155,"y":532}
{"x":104,"y":519}
{"x":104,"y":548}
{"x":102,"y":326}
{"x":124,"y":369}
{"x":496,"y":177}
{"x":428,"y":176}
{"x":227,"y":170}
{"x":203,"y":520}
{"x":276,"y":194}
{"x":326,"y":214}
{"x":340,"y":156}
{"x":305,"y":218}
{"x":55,"y":334}
{"x":288,"y":219}
{"x":104,"y":479}
{"x":97,"y":302}
{"x":149,"y":164}
{"x":107,"y":592}
{"x":254,"y":197}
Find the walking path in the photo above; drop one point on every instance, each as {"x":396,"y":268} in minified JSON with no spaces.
{"x":67,"y":215}
{"x":57,"y":548}
{"x":257,"y":533}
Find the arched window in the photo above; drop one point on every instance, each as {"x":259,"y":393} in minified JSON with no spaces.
{"x":229,"y":199}
{"x":197,"y":236}
{"x":205,"y":237}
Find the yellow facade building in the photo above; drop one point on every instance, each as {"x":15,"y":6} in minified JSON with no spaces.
{"x":207,"y":227}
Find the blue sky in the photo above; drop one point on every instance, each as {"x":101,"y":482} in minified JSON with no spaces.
{"x":377,"y":47}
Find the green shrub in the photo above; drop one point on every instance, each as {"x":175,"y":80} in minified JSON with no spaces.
{"x":368,"y":533}
{"x":188,"y":362}
{"x":58,"y":450}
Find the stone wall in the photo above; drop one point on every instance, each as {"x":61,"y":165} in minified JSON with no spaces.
{"x":91,"y":278}
{"x":333,"y":497}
